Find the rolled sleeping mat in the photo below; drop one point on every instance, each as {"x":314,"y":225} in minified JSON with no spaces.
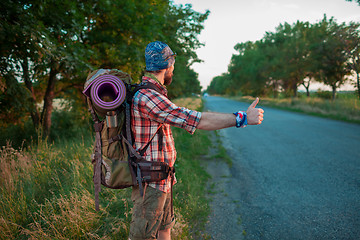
{"x":107,"y":93}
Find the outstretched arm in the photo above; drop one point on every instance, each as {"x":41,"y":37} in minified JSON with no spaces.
{"x":215,"y":121}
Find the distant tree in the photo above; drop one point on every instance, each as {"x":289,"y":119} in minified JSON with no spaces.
{"x":295,"y":55}
{"x":247,"y":69}
{"x":279,"y":59}
{"x":352,"y":43}
{"x":289,"y":55}
{"x":273,"y":63}
{"x":329,"y":52}
{"x":185,"y":80}
{"x":358,"y":1}
{"x":220,"y":85}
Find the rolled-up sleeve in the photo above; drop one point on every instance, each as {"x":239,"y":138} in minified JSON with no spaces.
{"x":159,"y":108}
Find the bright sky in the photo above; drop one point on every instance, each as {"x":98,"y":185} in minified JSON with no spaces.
{"x":234,"y":21}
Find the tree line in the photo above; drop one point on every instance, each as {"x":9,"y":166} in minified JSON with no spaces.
{"x":295,"y":54}
{"x":49,"y":47}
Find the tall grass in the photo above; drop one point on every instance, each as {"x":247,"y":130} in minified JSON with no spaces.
{"x":190,"y":199}
{"x":46,"y":191}
{"x":190,"y":191}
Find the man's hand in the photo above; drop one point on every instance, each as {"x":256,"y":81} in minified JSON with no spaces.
{"x":254,"y":115}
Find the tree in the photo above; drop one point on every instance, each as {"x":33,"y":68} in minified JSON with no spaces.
{"x":120,"y":34}
{"x":352,"y":43}
{"x":49,"y":47}
{"x":220,"y":85}
{"x":289,"y":55}
{"x":184,"y":80}
{"x":43,"y":48}
{"x":358,"y":1}
{"x":186,"y":24}
{"x":299,"y":62}
{"x":279,"y":59}
{"x":19,"y":44}
{"x":296,"y":55}
{"x":329,"y":51}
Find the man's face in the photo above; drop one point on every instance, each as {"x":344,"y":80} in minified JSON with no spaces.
{"x":168,"y":75}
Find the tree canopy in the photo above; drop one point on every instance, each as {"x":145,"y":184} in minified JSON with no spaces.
{"x":295,"y":54}
{"x":48,"y":47}
{"x":358,"y":1}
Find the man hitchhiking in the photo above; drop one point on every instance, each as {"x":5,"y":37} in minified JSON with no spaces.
{"x":152,"y":115}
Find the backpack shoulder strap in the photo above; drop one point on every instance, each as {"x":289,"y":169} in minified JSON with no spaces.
{"x":144,"y":85}
{"x":143,"y":150}
{"x":147,"y":85}
{"x":98,"y":125}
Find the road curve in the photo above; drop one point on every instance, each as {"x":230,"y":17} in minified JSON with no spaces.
{"x":293,"y":177}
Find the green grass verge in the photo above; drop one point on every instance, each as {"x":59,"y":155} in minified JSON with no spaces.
{"x":190,"y":191}
{"x":221,"y":152}
{"x":47,"y":192}
{"x":344,"y":108}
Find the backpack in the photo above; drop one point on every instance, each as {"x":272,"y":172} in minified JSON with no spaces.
{"x":117,"y":164}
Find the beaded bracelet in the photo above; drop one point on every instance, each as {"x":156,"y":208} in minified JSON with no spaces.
{"x":241,"y":119}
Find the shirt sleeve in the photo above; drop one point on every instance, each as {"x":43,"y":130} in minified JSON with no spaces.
{"x":157,"y":107}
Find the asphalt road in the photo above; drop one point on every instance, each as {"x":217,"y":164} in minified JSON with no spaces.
{"x":293,"y":177}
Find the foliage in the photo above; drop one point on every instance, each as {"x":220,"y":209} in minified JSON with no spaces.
{"x":293,"y":55}
{"x":65,"y":125}
{"x":345,"y":108}
{"x":48,"y":47}
{"x":323,"y":94}
{"x":358,"y":1}
{"x":183,"y":83}
{"x":353,"y":51}
{"x":247,"y":70}
{"x":220,"y":85}
{"x":329,"y":53}
{"x":43,"y":48}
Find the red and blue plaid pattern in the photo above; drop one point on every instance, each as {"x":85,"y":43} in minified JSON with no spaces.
{"x":150,"y":109}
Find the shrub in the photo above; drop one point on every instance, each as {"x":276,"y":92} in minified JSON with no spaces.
{"x":324,"y":94}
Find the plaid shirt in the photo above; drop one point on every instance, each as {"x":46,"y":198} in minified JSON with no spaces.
{"x":149,"y":110}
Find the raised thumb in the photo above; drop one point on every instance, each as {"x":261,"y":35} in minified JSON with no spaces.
{"x":253,"y":105}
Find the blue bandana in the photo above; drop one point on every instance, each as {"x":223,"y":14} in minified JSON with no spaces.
{"x":158,"y":56}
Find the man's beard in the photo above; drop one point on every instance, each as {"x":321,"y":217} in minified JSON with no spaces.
{"x":168,"y":78}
